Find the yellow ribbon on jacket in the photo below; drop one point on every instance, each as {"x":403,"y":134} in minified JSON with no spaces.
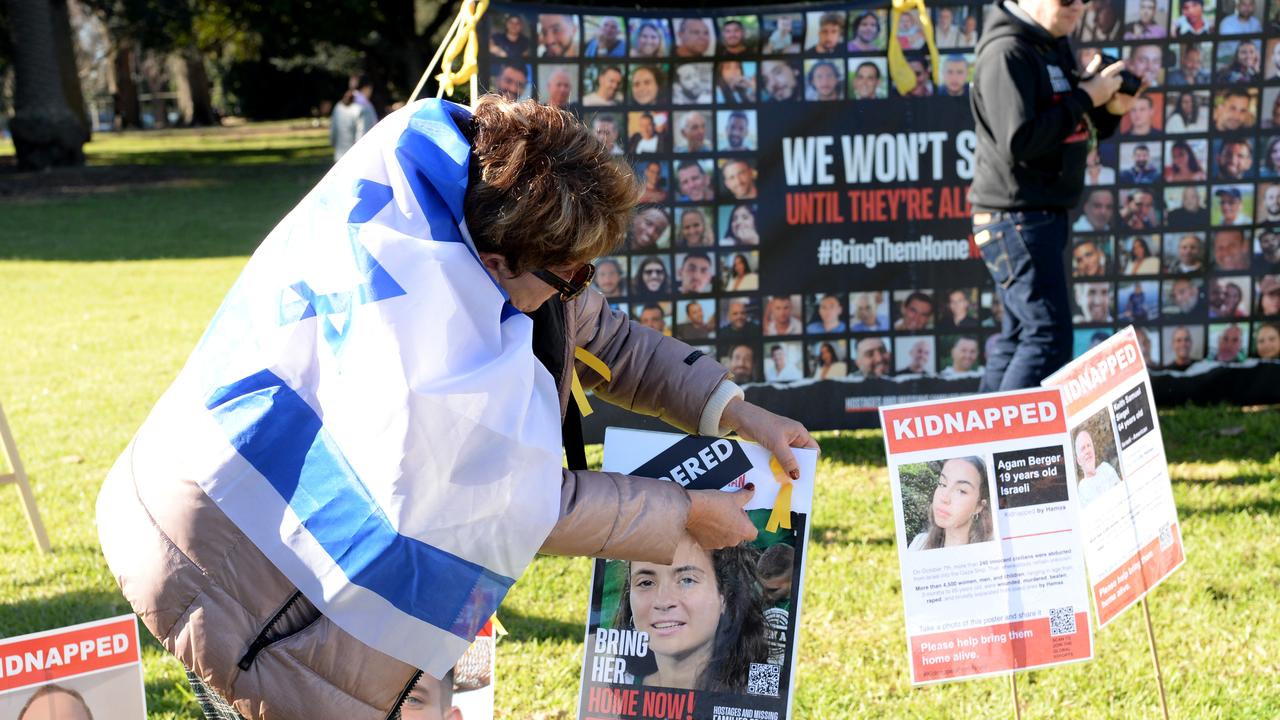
{"x":903,"y":78}
{"x":600,"y":369}
{"x":464,"y":43}
{"x":781,"y":515}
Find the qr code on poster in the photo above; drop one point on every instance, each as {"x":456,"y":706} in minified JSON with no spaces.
{"x":764,"y":679}
{"x":1166,"y":536}
{"x":1062,"y":621}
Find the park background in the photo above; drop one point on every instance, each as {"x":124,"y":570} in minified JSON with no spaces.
{"x":109,"y":273}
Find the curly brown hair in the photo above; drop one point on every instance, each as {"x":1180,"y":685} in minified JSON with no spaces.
{"x":544,"y":192}
{"x":740,"y":635}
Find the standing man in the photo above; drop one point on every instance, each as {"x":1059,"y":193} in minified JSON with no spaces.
{"x":1036,"y":120}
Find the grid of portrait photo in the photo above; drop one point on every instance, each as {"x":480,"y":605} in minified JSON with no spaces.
{"x":1178,"y":231}
{"x":677,"y":96}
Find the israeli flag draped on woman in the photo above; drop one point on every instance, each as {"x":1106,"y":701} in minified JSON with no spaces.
{"x":366,"y":406}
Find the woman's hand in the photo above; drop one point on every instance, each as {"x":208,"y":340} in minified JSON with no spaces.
{"x":773,"y":432}
{"x":716,"y":518}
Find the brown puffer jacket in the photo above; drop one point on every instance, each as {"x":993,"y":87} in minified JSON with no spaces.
{"x":216,"y":602}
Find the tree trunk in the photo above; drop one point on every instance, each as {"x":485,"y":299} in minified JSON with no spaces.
{"x":191,"y":84}
{"x":64,"y":43}
{"x":123,"y":89}
{"x":45,"y":132}
{"x":202,"y":112}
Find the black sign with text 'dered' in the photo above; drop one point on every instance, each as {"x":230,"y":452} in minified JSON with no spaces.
{"x":698,"y":463}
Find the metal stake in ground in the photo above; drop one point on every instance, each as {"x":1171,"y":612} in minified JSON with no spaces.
{"x":1013,"y":690}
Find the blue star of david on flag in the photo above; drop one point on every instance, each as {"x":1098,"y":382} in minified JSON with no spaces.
{"x":300,"y":302}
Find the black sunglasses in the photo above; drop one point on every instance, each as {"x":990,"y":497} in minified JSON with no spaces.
{"x":571,"y":288}
{"x":1069,"y":3}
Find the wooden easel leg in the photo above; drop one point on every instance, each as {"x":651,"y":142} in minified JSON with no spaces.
{"x":1155,"y":660}
{"x":19,"y":478}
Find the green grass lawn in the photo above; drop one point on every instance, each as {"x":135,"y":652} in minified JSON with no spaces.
{"x":105,"y":294}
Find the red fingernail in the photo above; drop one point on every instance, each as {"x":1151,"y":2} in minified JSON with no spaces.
{"x":795,"y":474}
{"x":750,"y":486}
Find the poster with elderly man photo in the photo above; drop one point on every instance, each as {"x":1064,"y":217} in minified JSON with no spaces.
{"x":1132,"y":537}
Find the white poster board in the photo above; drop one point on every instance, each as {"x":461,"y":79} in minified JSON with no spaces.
{"x":988,"y":535}
{"x":1130,"y":522}
{"x":712,"y":636}
{"x":89,"y":670}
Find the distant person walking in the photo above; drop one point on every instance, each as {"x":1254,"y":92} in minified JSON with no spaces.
{"x":352,"y":116}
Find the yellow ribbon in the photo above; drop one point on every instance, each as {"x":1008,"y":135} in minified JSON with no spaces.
{"x":596,"y":364}
{"x":465,"y":43}
{"x":781,"y":515}
{"x":903,"y":78}
{"x":498,"y":630}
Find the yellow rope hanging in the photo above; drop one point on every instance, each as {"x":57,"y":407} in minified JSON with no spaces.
{"x":465,"y":43}
{"x":903,"y":78}
{"x":459,"y":39}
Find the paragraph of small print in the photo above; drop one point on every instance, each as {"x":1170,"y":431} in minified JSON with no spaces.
{"x":764,"y":679}
{"x":1062,"y":621}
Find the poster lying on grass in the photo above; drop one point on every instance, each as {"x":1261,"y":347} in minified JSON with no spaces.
{"x":711,"y":636}
{"x":83,"y":672}
{"x":988,"y":535}
{"x":1130,"y":522}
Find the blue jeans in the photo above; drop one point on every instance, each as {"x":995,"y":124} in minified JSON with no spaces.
{"x":1025,"y":253}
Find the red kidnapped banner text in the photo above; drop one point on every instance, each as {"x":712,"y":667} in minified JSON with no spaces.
{"x":66,"y":653}
{"x":977,"y":420}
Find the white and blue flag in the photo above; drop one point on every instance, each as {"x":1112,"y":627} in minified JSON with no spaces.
{"x":366,"y":405}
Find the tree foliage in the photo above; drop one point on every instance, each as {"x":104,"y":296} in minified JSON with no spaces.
{"x":918,"y":481}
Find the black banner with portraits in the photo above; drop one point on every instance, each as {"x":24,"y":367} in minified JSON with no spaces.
{"x":808,"y":225}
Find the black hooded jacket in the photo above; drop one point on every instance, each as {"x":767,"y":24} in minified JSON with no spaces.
{"x":1032,"y":119}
